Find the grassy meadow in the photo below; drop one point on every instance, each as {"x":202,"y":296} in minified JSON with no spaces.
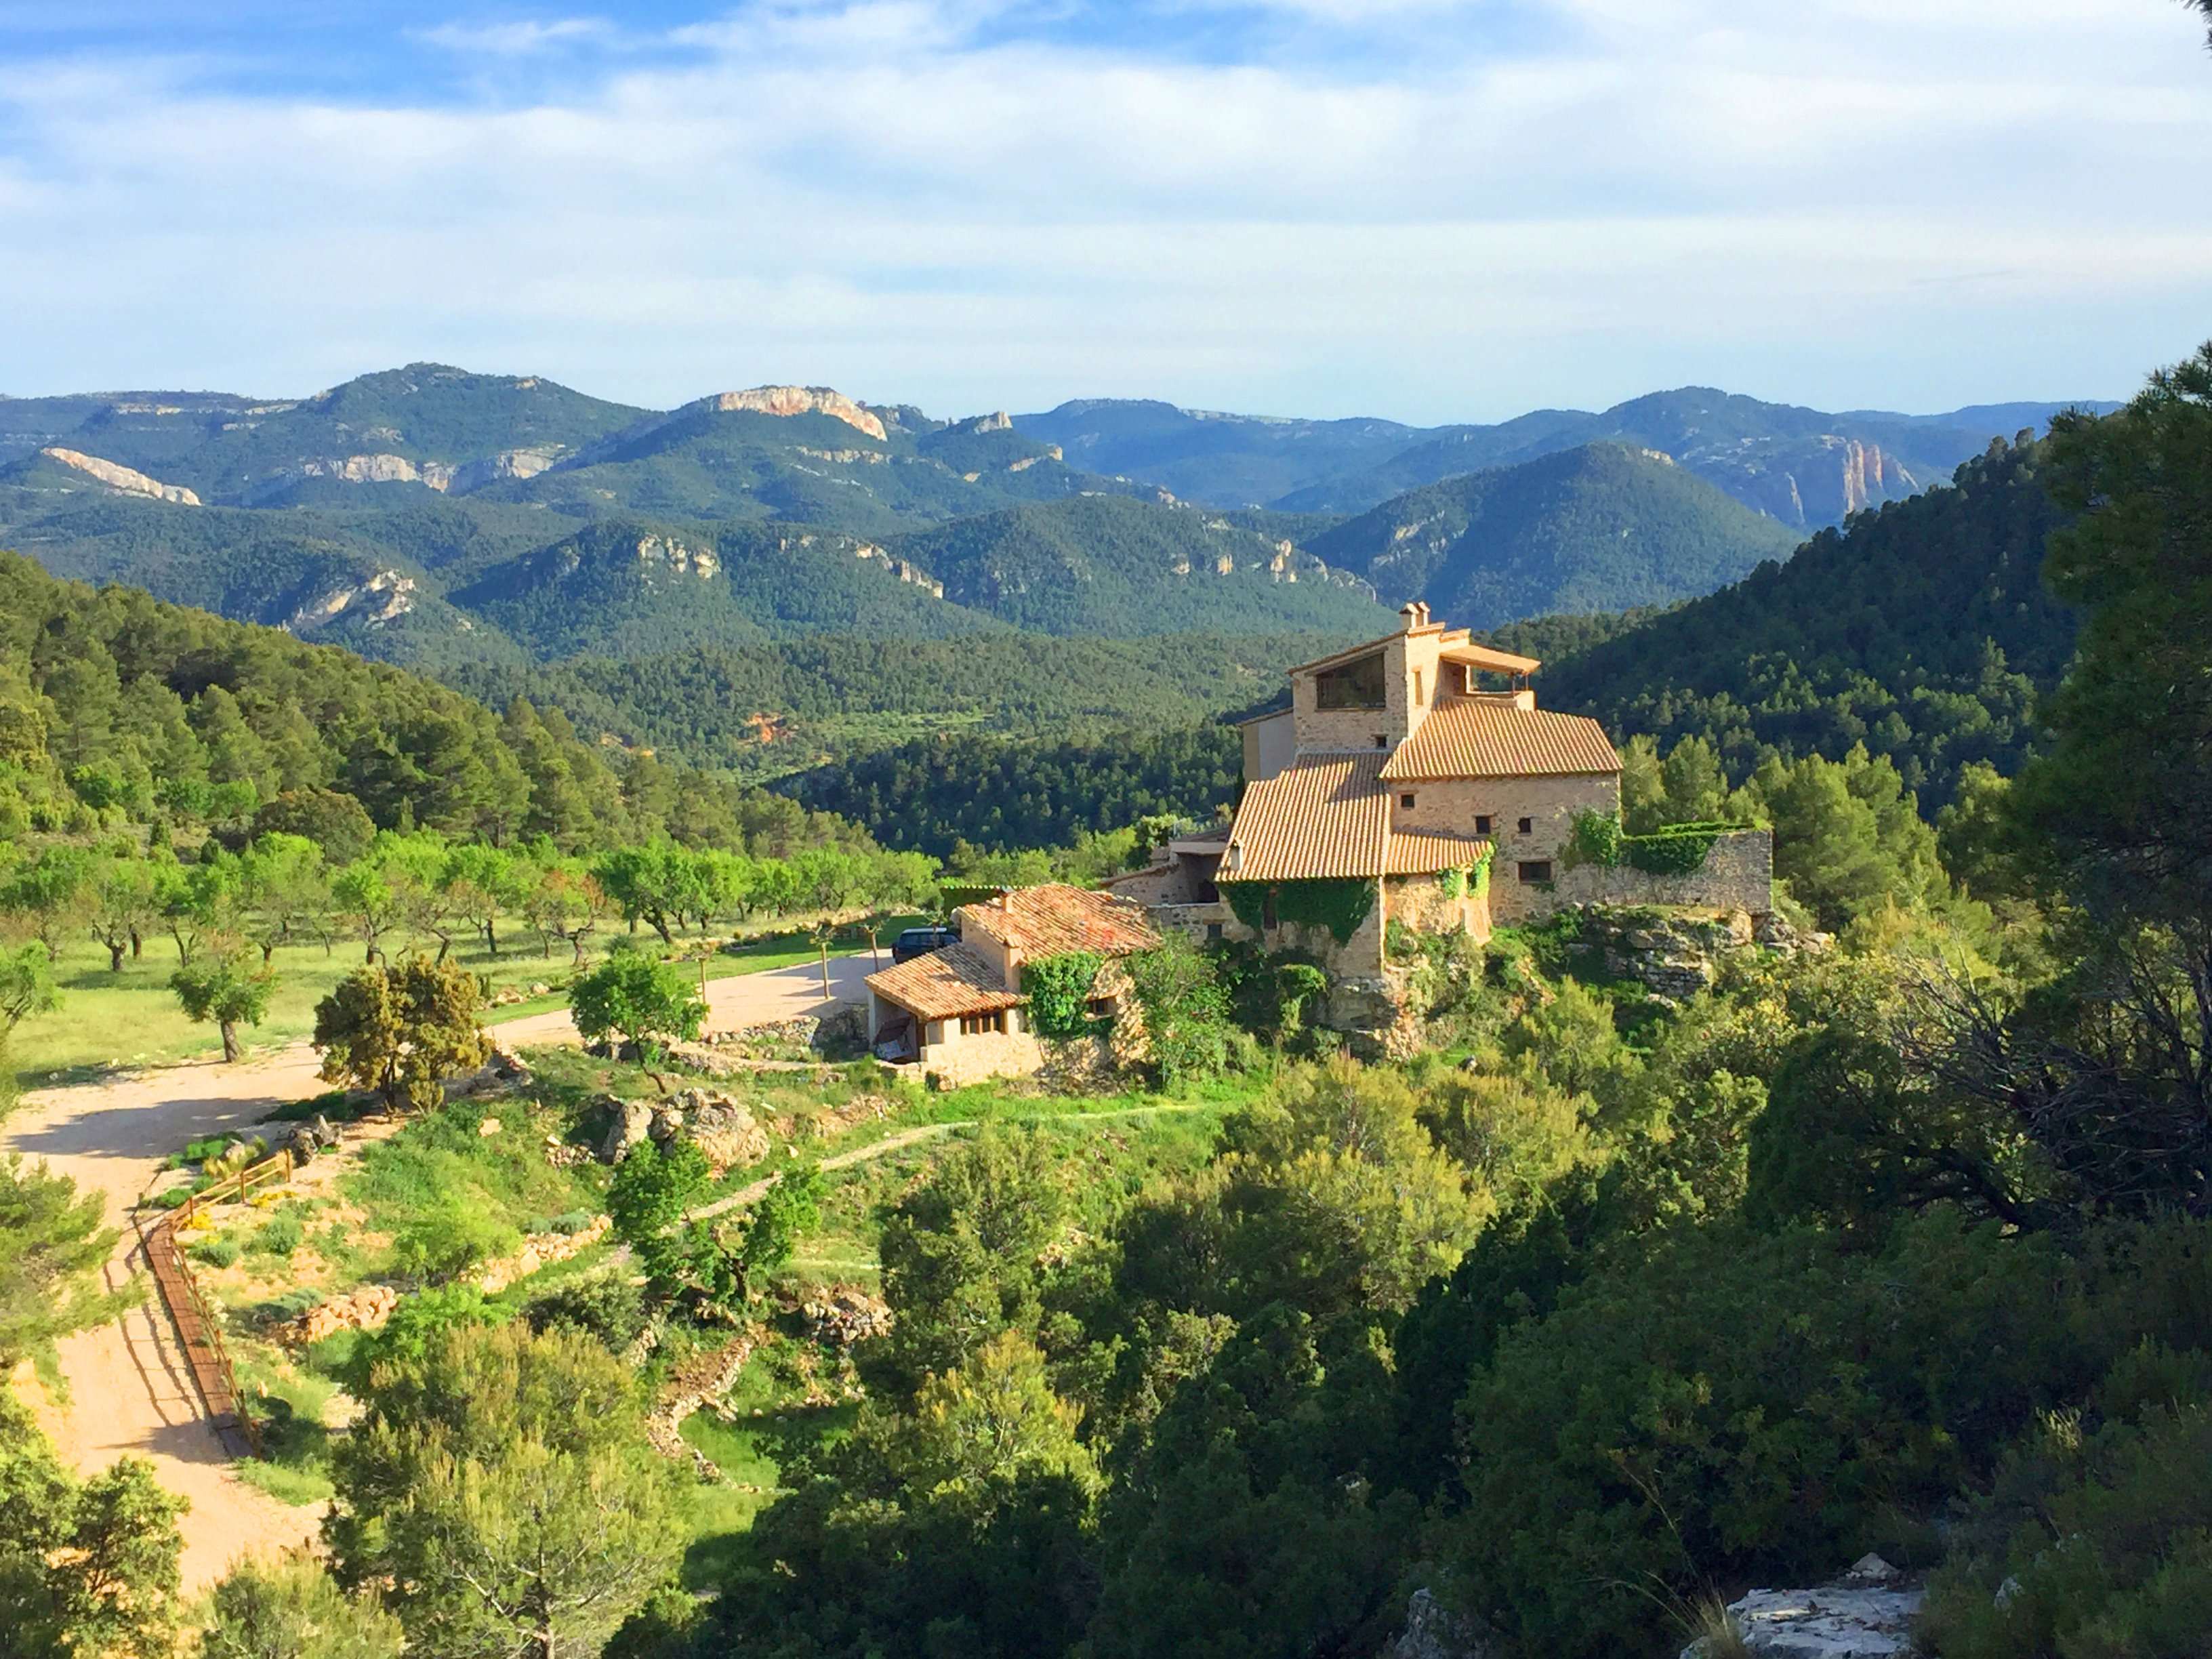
{"x":111,"y":1020}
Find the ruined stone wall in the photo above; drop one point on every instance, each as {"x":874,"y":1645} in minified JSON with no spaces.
{"x":1738,"y":874}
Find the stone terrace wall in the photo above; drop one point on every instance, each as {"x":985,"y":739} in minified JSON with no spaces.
{"x":1738,"y":874}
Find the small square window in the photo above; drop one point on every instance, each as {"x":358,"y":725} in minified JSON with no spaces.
{"x":1482,"y":824}
{"x":1406,"y":801}
{"x":1536,"y":869}
{"x":1528,"y":826}
{"x":1382,"y":741}
{"x":1213,"y":931}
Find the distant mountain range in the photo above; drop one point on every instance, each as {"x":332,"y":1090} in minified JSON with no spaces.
{"x":430,"y":515}
{"x":1801,"y":467}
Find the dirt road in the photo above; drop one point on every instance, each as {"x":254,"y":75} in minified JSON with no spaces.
{"x":129,"y":1394}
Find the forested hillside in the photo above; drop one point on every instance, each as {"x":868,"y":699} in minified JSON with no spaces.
{"x":1924,"y":631}
{"x":1102,"y":564}
{"x":1602,"y":528}
{"x":929,"y":795}
{"x":116,"y":709}
{"x":784,"y":707}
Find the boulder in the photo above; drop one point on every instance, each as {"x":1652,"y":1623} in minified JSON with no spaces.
{"x":1432,"y":1633}
{"x":844,"y":1315}
{"x":1867,"y":1614}
{"x":633,"y":1120}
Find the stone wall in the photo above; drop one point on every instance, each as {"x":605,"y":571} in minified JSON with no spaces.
{"x":961,"y":1060}
{"x":1738,"y":874}
{"x":1453,"y":806}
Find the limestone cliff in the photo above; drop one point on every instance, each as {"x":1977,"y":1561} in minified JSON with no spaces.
{"x":801,"y":400}
{"x":124,"y":478}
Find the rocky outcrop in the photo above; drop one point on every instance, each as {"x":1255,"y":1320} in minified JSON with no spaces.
{"x":366,"y":1310}
{"x":130,"y":481}
{"x":905,"y":571}
{"x":680,"y":557}
{"x":1430,"y":1632}
{"x":1868,"y":1613}
{"x":845,"y":1314}
{"x":385,"y":597}
{"x":632,"y":1127}
{"x":718,"y":1125}
{"x":788,"y":400}
{"x":496,"y":469}
{"x":1676,"y":953}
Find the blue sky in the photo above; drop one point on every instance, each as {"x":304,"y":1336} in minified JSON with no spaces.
{"x":1430,"y":210}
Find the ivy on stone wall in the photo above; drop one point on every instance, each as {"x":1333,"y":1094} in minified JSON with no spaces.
{"x":1340,"y":904}
{"x":1675,"y":850}
{"x":1059,"y":992}
{"x":1475,"y":879}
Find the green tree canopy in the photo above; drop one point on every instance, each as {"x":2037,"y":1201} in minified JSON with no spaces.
{"x":501,"y":1486}
{"x":402,"y":1031}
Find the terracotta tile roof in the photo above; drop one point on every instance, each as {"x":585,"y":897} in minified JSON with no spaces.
{"x":1490,"y":740}
{"x":1044,"y":921}
{"x":1327,"y":816}
{"x":945,"y":984}
{"x":1425,"y":852}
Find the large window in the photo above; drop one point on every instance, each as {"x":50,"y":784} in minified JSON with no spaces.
{"x":1355,"y":685}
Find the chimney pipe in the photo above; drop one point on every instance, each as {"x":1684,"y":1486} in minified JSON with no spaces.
{"x":1411,"y":613}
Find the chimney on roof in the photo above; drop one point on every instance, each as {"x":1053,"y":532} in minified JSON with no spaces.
{"x":1423,"y":605}
{"x":1411,"y":610}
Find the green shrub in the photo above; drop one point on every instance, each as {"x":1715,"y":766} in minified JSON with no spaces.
{"x":215,"y":1252}
{"x":608,"y":1308}
{"x":2092,"y":1543}
{"x":1726,"y":1407}
{"x":445,"y":1242}
{"x":279,"y":1236}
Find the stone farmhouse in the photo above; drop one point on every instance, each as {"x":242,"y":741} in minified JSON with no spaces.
{"x":1414,"y":779}
{"x":1413,"y":782}
{"x":957,"y":1014}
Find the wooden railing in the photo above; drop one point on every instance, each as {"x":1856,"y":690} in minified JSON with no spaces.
{"x":198,"y":1323}
{"x":234,"y":1188}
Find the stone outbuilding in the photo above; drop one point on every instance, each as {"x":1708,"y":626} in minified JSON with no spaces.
{"x":957,"y":1013}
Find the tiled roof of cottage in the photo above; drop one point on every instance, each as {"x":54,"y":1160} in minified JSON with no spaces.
{"x":1494,"y":740}
{"x":1327,"y":816}
{"x":945,"y":984}
{"x":1425,"y":852}
{"x":1036,"y":922}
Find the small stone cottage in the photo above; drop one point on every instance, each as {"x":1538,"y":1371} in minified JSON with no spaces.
{"x":957,"y":1013}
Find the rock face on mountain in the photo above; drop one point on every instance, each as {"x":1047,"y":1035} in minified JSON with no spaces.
{"x":127,"y":479}
{"x":801,"y":400}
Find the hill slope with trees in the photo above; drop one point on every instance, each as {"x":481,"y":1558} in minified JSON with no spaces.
{"x":1924,"y":631}
{"x":1601,"y":528}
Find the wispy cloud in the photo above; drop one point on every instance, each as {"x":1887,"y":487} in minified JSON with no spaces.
{"x":973,"y":204}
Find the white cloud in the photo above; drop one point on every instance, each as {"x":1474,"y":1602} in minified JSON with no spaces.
{"x":1848,"y":202}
